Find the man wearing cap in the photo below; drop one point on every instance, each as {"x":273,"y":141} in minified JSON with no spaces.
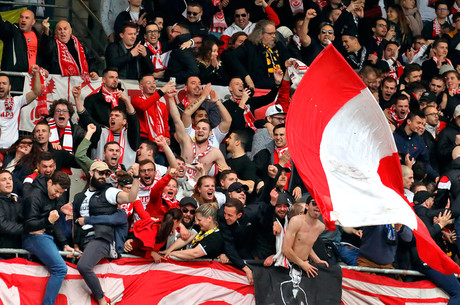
{"x":99,"y":199}
{"x":241,"y":104}
{"x":355,"y":54}
{"x":240,"y":162}
{"x":298,"y":245}
{"x":263,"y":138}
{"x":188,"y":206}
{"x":280,"y":217}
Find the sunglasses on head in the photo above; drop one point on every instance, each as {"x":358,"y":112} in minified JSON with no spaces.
{"x":192,"y":13}
{"x":240,"y":15}
{"x":331,"y":32}
{"x":185,"y":211}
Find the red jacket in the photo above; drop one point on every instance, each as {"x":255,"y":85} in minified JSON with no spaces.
{"x":147,"y":107}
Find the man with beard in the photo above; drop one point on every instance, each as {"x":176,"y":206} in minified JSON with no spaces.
{"x":10,"y":107}
{"x":301,"y":234}
{"x":100,"y":103}
{"x":387,"y":92}
{"x":123,"y":128}
{"x":99,"y":199}
{"x":64,"y":134}
{"x":201,"y":150}
{"x":188,"y":206}
{"x":258,"y":58}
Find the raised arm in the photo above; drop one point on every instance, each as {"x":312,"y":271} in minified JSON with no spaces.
{"x":161,"y":142}
{"x":125,"y":197}
{"x":224,"y":125}
{"x":190,"y":110}
{"x":182,"y":137}
{"x":81,"y":153}
{"x":37,"y":86}
{"x":305,"y":39}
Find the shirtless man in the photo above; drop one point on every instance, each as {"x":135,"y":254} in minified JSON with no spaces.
{"x":201,"y":150}
{"x":301,"y":234}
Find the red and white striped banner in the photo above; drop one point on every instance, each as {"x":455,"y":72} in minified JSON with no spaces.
{"x":363,"y":288}
{"x":130,"y":281}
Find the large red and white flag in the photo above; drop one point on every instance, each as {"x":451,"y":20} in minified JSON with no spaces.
{"x":344,"y":150}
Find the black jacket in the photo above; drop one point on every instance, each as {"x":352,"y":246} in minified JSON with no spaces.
{"x":98,"y":205}
{"x":250,"y":59}
{"x":11,"y":220}
{"x":446,"y":143}
{"x":239,"y":237}
{"x":37,"y":207}
{"x":182,"y":63}
{"x":129,"y":67}
{"x":49,"y":54}
{"x":99,"y":109}
{"x":14,"y":56}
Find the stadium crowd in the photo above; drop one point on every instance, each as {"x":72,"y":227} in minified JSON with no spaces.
{"x":185,"y":174}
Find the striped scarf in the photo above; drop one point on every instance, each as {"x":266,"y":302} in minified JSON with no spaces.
{"x":110,"y":97}
{"x":67,"y":141}
{"x":155,"y":122}
{"x":68,"y":64}
{"x":394,"y":116}
{"x":248,"y":116}
{"x":204,"y":153}
{"x":156,"y":57}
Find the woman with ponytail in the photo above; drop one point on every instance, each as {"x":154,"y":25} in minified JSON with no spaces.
{"x":206,"y":244}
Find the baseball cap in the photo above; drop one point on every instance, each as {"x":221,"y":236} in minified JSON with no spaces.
{"x":428,"y":96}
{"x":236,"y":186}
{"x":99,"y":166}
{"x":285,"y":31}
{"x":274,"y":109}
{"x":422,"y":196}
{"x":280,"y":168}
{"x":188,"y":200}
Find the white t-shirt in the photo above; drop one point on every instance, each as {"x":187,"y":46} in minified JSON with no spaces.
{"x":110,"y":195}
{"x":9,"y":121}
{"x":215,"y":138}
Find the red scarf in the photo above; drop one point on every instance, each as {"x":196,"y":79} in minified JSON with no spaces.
{"x":110,"y":97}
{"x":397,"y":71}
{"x":436,"y":27}
{"x":297,"y":6}
{"x":113,"y":174}
{"x":156,"y":58}
{"x":186,"y":102}
{"x":121,"y":141}
{"x":218,"y":24}
{"x":392,"y":113}
{"x":455,"y":8}
{"x":276,"y":158}
{"x":378,"y":39}
{"x":68,"y":64}
{"x":155,"y":122}
{"x":454,"y":91}
{"x":67,"y":141}
{"x":204,"y":153}
{"x":248,"y":116}
{"x":9,"y":103}
{"x":436,"y":59}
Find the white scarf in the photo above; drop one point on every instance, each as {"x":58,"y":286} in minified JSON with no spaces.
{"x":279,"y":258}
{"x":67,"y":142}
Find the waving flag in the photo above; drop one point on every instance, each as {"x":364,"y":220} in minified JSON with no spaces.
{"x":344,"y":151}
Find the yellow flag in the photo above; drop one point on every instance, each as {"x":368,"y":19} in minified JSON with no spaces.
{"x":13,"y":17}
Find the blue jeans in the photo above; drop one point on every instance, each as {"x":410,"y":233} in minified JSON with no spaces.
{"x":43,"y":247}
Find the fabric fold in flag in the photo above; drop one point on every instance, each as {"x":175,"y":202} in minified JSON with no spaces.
{"x":344,"y":151}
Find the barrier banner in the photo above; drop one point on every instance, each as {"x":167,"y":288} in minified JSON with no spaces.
{"x":282,"y":286}
{"x":130,"y":281}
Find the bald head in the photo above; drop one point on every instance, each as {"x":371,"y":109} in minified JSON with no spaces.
{"x":63,"y":31}
{"x":408,"y":176}
{"x":26,"y":21}
{"x":456,"y":152}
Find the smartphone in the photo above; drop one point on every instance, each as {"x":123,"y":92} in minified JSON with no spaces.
{"x":172,"y":79}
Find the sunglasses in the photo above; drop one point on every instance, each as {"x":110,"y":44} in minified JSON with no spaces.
{"x":331,"y":32}
{"x":185,"y":211}
{"x":240,"y":191}
{"x":240,"y":15}
{"x":192,"y":13}
{"x":103,"y":173}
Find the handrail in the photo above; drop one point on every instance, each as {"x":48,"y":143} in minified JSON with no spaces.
{"x":14,"y":3}
{"x":355,"y":268}
{"x":90,"y":12}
